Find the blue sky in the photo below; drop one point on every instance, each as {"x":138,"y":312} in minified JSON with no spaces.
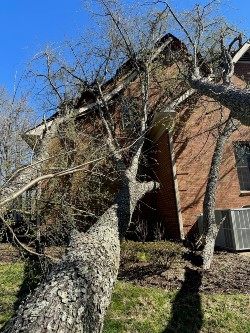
{"x":26,"y":26}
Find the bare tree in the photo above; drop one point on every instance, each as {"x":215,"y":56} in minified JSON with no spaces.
{"x":75,"y":295}
{"x":209,"y":71}
{"x":16,"y":117}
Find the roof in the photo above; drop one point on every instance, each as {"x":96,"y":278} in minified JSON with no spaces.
{"x":124,"y":75}
{"x":242,"y":53}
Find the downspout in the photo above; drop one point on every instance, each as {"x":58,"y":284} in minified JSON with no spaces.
{"x":176,"y":188}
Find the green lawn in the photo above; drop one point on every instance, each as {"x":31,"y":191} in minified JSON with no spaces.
{"x":11,"y":278}
{"x":150,"y":310}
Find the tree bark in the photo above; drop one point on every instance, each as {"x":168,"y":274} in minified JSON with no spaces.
{"x":76,"y":294}
{"x":237,"y":100}
{"x":211,"y":227}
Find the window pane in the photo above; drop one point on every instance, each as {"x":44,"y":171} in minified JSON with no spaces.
{"x":242,"y":156}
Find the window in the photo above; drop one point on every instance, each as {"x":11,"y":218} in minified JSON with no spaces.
{"x":242,"y":156}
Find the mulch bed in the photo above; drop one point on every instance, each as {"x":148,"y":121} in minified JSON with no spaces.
{"x":8,"y":253}
{"x":229,"y":274}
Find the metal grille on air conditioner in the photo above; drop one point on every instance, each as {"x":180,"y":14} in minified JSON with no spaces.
{"x":234,"y":232}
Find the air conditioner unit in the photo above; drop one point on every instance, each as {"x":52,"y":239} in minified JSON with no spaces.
{"x":234,"y":231}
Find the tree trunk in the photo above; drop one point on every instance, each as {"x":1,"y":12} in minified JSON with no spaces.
{"x":77,"y":292}
{"x":237,"y":100}
{"x":211,"y":227}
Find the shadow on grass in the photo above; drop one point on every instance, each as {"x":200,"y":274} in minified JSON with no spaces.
{"x":34,"y":272}
{"x":186,"y":313}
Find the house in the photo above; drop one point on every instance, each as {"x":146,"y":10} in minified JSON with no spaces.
{"x":183,"y":151}
{"x":184,"y":156}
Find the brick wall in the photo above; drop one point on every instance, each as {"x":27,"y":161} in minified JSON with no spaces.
{"x":194,"y":146}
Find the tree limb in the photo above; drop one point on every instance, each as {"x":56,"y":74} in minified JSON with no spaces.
{"x":23,"y":246}
{"x":44,"y":177}
{"x":237,"y":100}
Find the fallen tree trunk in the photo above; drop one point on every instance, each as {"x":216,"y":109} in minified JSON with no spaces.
{"x":75,"y":296}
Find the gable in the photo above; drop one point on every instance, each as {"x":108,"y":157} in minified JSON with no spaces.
{"x":243,"y":54}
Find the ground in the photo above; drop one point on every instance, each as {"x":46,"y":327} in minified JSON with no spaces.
{"x":229,"y":273}
{"x":170,"y":265}
{"x":161,"y":289}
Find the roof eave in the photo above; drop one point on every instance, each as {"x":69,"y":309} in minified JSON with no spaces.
{"x":241,"y":52}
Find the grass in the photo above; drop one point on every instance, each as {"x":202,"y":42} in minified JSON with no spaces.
{"x":11,"y":278}
{"x":150,"y":310}
{"x":137,"y":309}
{"x":162,"y":252}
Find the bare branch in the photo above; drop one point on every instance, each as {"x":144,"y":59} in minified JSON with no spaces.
{"x":179,"y":23}
{"x":47,"y":176}
{"x":228,"y":64}
{"x":23,"y":246}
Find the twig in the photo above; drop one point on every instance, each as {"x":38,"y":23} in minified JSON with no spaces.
{"x":24,"y":247}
